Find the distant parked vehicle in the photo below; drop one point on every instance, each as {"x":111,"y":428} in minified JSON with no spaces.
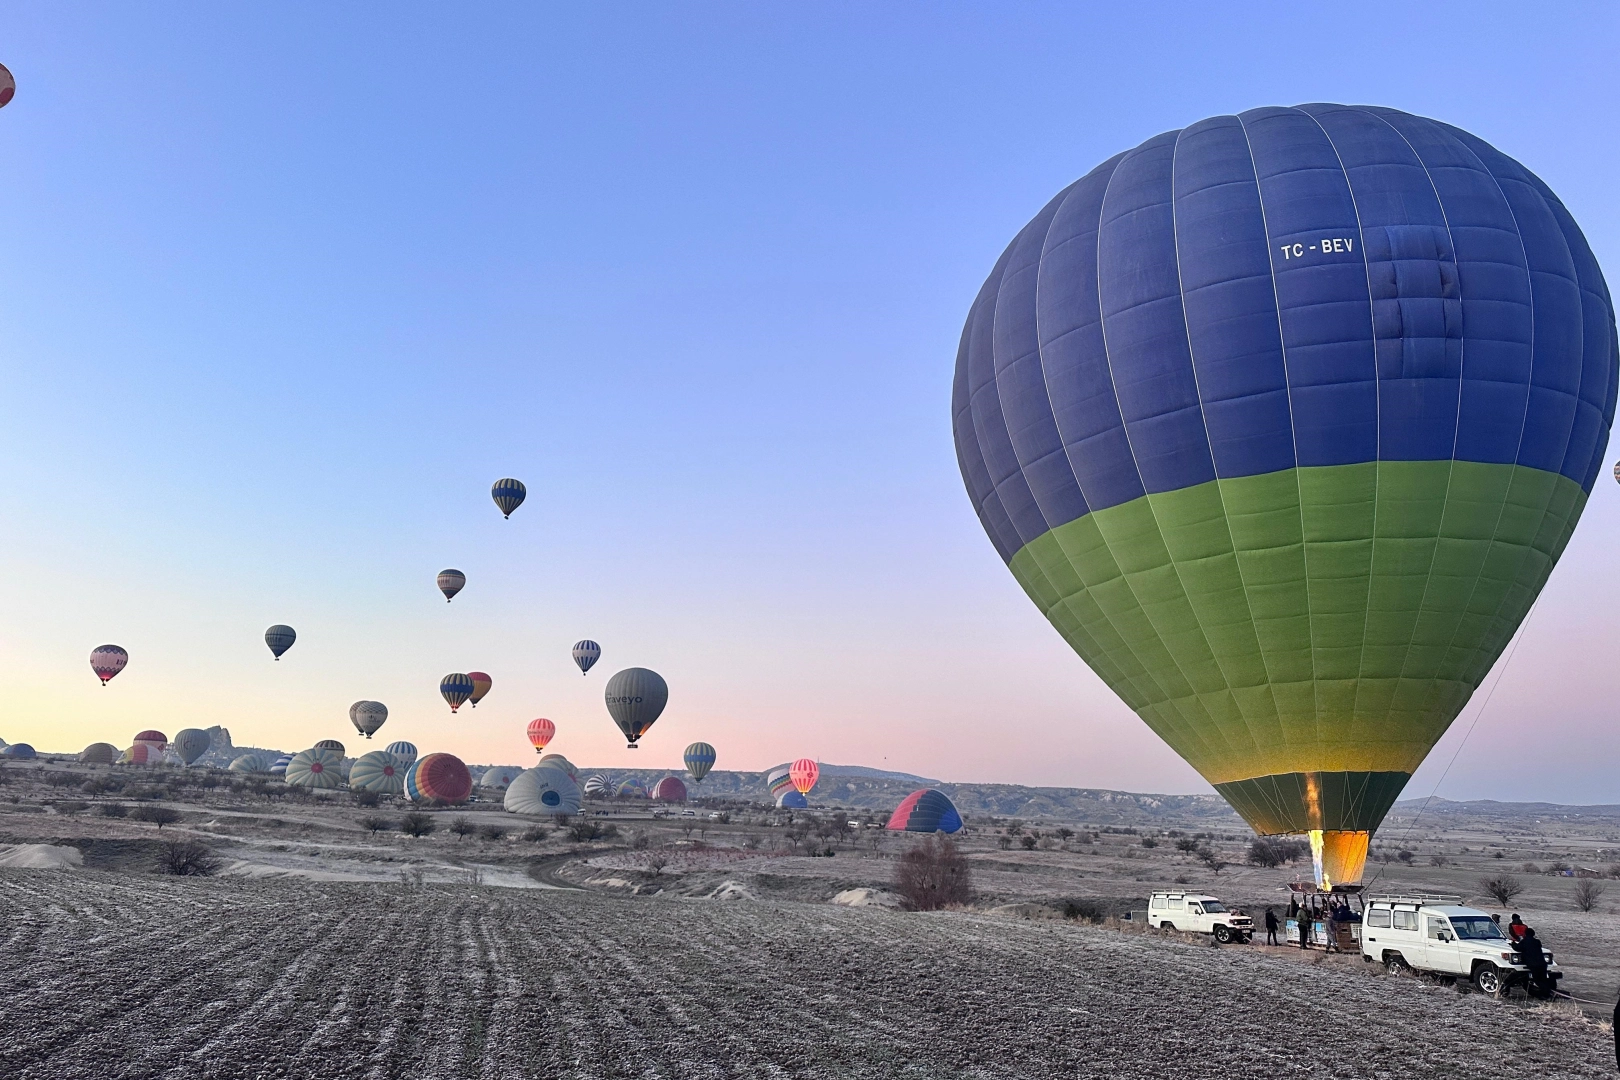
{"x":688,"y":813}
{"x":1196,"y":913}
{"x":1437,"y":934}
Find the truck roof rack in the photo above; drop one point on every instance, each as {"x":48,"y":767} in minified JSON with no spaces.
{"x":1420,"y":898}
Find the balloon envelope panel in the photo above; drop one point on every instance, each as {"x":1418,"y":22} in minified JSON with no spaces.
{"x":156,"y":738}
{"x":248,"y":763}
{"x":19,"y":752}
{"x":1283,"y":420}
{"x":792,"y":800}
{"x":669,"y":789}
{"x":100,"y":753}
{"x":927,"y":810}
{"x":543,"y":790}
{"x":597,"y":786}
{"x":779,"y":779}
{"x":559,"y":762}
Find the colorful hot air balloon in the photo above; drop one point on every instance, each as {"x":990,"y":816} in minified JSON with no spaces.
{"x":451,"y":582}
{"x":540,"y":733}
{"x":926,"y":810}
{"x":280,"y":638}
{"x":8,"y":86}
{"x":441,"y":777}
{"x":1617,"y":471}
{"x":191,"y":744}
{"x":779,"y":780}
{"x":669,"y":789}
{"x":379,"y":772}
{"x":803,"y":773}
{"x":368,"y":716}
{"x":278,"y":767}
{"x":107,"y":661}
{"x":152,"y":737}
{"x":481,"y":684}
{"x":144,"y":754}
{"x":630,"y":789}
{"x":456,"y":688}
{"x":315,"y":768}
{"x":100,"y":753}
{"x":588,"y":652}
{"x":1283,"y":419}
{"x":405,"y":752}
{"x":699,"y":759}
{"x":508,"y":495}
{"x":635,"y":698}
{"x":542,"y":791}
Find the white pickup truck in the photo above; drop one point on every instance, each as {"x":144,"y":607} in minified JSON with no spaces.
{"x":1437,"y":934}
{"x":1196,"y":913}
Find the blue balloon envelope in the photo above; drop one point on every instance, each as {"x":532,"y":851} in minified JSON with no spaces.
{"x":927,"y":810}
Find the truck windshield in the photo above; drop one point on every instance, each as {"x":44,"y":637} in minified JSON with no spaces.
{"x":1212,"y":906}
{"x":1476,"y":927}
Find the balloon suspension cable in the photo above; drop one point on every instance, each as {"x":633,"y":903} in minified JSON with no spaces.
{"x":1517,"y":641}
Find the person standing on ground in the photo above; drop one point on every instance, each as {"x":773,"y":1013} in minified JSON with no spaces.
{"x":1271,"y":932}
{"x":1305,"y":927}
{"x":1530,"y":951}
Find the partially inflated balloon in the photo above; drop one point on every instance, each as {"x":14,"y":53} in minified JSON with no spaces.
{"x":379,"y":772}
{"x":481,"y":684}
{"x":315,"y":768}
{"x":635,"y":698}
{"x":804,"y":774}
{"x":588,"y":652}
{"x":280,"y":638}
{"x":107,"y":661}
{"x":191,"y":744}
{"x":699,"y":759}
{"x":1283,"y":419}
{"x":8,"y":86}
{"x":451,"y":582}
{"x":456,"y":688}
{"x":441,"y":777}
{"x":508,"y":495}
{"x":404,"y":751}
{"x":542,"y":791}
{"x":368,"y":716}
{"x":540,"y":732}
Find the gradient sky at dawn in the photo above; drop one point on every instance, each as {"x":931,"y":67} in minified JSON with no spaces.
{"x":284,"y":288}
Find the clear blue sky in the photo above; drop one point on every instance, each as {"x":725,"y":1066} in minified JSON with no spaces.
{"x":285,"y":287}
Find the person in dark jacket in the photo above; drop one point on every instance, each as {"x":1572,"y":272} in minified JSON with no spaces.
{"x":1306,"y":920}
{"x":1516,"y":928}
{"x":1271,"y":930}
{"x":1617,"y":1034}
{"x":1530,"y":951}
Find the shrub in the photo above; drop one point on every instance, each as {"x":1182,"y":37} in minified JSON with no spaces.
{"x":655,"y":860}
{"x":534,"y":834}
{"x":417,"y":825}
{"x":1504,"y":887}
{"x":1064,"y":833}
{"x":491,"y":832}
{"x":1209,"y":858}
{"x":932,"y":875}
{"x":72,"y":809}
{"x":1496,"y":854}
{"x":1004,"y":842}
{"x":1405,"y":856}
{"x":376,"y":823}
{"x":1092,"y":911}
{"x":366,"y":800}
{"x":114,"y":809}
{"x":1587,"y":893}
{"x":1530,"y":868}
{"x":157,"y":815}
{"x":1187,"y":844}
{"x":187,"y":858}
{"x":1147,"y":841}
{"x":462,"y":827}
{"x":1028,"y":842}
{"x":752,"y":843}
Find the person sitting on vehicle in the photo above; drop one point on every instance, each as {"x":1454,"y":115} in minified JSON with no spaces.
{"x":1271,"y":927}
{"x":1530,"y":952}
{"x":1516,"y":928}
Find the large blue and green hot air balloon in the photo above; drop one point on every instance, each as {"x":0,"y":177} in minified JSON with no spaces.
{"x":1283,"y":419}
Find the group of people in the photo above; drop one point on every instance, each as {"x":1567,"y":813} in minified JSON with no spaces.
{"x":1332,"y":911}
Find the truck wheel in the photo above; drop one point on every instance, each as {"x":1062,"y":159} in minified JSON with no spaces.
{"x":1488,"y":980}
{"x":1223,"y":934}
{"x":1167,"y":926}
{"x":1396,"y":964}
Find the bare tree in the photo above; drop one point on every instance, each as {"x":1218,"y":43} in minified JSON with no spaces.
{"x":462,"y":827}
{"x":376,"y":823}
{"x":932,"y":875}
{"x":1587,"y":893}
{"x":1504,"y":887}
{"x":1211,"y":859}
{"x":418,"y":825}
{"x":157,"y":815}
{"x":655,"y":860}
{"x":187,"y":858}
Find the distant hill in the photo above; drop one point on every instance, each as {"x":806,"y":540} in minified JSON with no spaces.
{"x":1505,"y":813}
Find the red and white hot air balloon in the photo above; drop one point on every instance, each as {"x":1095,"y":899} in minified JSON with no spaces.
{"x":540,"y":733}
{"x":803,"y":773}
{"x":107,"y":661}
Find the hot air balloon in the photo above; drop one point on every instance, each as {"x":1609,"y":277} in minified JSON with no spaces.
{"x":379,"y":772}
{"x":1617,"y":471}
{"x":456,"y":688}
{"x":143,"y":754}
{"x":1282,"y":420}
{"x":499,"y":777}
{"x":280,"y":638}
{"x":368,"y":716}
{"x":107,"y":661}
{"x":278,"y":767}
{"x":151,"y":737}
{"x":588,"y":652}
{"x":441,"y":777}
{"x":557,"y":761}
{"x":451,"y":582}
{"x":316,"y":767}
{"x":927,"y":810}
{"x":248,"y":763}
{"x":508,"y":495}
{"x":779,"y":780}
{"x":20,"y":751}
{"x":635,"y":697}
{"x":669,"y":789}
{"x":481,"y":684}
{"x":597,"y":786}
{"x":631,"y":789}
{"x":542,"y":791}
{"x":699,"y":759}
{"x":331,"y":744}
{"x":8,"y":86}
{"x":100,"y":753}
{"x":405,"y":752}
{"x":540,"y":733}
{"x":191,"y":744}
{"x":792,"y":800}
{"x":803,"y":773}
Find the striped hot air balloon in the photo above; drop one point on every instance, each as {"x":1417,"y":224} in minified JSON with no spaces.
{"x":541,"y":791}
{"x":778,"y":780}
{"x":404,"y":752}
{"x":481,"y":683}
{"x":451,"y":582}
{"x":152,"y":737}
{"x":107,"y":661}
{"x":280,"y":638}
{"x":331,"y":744}
{"x":1283,"y":420}
{"x":508,"y":495}
{"x":379,"y":772}
{"x":699,"y":759}
{"x":144,"y":754}
{"x":278,"y":767}
{"x":249,"y":763}
{"x":456,"y":688}
{"x":438,"y":777}
{"x":316,"y":767}
{"x":368,"y":716}
{"x":598,"y":786}
{"x":540,"y":732}
{"x":804,"y":773}
{"x":926,"y":810}
{"x":588,"y":652}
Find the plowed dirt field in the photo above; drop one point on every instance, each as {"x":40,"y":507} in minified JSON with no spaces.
{"x":122,"y":976}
